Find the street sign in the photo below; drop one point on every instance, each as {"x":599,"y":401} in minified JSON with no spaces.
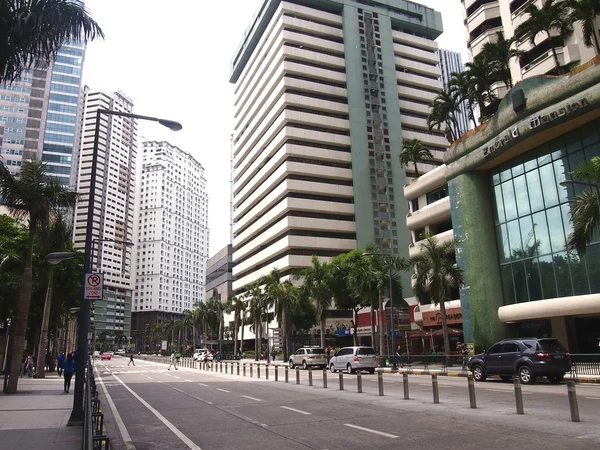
{"x":93,"y":284}
{"x":163,"y":345}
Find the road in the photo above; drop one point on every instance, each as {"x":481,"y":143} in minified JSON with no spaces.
{"x":192,"y":409}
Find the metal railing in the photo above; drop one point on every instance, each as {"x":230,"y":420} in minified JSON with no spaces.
{"x":585,"y":364}
{"x":93,"y":427}
{"x":426,"y":362}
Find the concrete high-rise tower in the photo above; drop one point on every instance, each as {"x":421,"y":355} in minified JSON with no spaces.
{"x":451,"y":62}
{"x":325,"y":94}
{"x":113,"y":207}
{"x":172,"y":235}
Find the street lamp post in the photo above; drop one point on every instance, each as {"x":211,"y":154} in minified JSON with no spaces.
{"x":77,"y":414}
{"x":393,"y":331}
{"x":584,"y":183}
{"x":53,"y":259}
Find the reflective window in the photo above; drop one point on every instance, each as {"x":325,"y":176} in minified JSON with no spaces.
{"x":533,"y":221}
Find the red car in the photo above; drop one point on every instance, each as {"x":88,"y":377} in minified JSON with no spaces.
{"x":105,"y":355}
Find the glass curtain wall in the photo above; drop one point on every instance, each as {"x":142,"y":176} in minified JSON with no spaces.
{"x":532,"y":217}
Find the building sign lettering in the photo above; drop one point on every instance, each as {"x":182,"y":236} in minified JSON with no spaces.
{"x":434,"y":318}
{"x":533,"y":123}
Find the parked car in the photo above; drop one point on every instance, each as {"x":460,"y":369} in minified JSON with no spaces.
{"x":96,"y":354}
{"x":528,"y":358}
{"x":105,"y":355}
{"x":352,"y":359}
{"x":120,"y":352}
{"x":199,"y":354}
{"x":308,"y":357}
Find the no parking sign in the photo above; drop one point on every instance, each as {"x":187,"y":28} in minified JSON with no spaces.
{"x":93,"y":284}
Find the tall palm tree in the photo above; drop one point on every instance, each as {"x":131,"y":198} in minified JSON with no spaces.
{"x":33,"y":197}
{"x":498,"y":54}
{"x":316,"y":285}
{"x":481,"y":80}
{"x":462,"y":87}
{"x":278,"y":296}
{"x":585,"y":210}
{"x":32,"y":31}
{"x":552,"y":16}
{"x":586,"y":12}
{"x":413,"y":151}
{"x":444,"y":109}
{"x":437,"y":273}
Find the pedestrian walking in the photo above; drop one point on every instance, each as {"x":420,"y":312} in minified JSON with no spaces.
{"x":173,"y":361}
{"x":30,"y":365}
{"x":69,"y":368}
{"x":60,"y":360}
{"x":131,"y":359}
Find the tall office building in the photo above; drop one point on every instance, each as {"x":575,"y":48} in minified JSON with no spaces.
{"x":114,"y":203}
{"x":451,"y":62}
{"x":325,"y":93}
{"x":171,"y":234}
{"x":484,"y":18}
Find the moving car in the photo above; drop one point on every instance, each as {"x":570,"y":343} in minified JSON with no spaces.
{"x":96,"y":354}
{"x":199,"y":354}
{"x":309,"y":357}
{"x":105,"y":355}
{"x":352,"y":359}
{"x":528,"y":358}
{"x":120,"y":352}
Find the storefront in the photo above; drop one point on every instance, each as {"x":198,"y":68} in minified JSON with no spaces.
{"x":511,"y":215}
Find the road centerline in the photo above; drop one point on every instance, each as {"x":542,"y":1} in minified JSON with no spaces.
{"x":368,"y":430}
{"x":223,"y":390}
{"x":296,"y":410}
{"x":252,"y":398}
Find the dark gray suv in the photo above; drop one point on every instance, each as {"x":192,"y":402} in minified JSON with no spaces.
{"x":528,"y":358}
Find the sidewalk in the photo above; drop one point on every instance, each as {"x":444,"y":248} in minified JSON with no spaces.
{"x":36,"y":417}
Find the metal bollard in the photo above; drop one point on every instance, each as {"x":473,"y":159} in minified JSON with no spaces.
{"x":472,"y":398}
{"x":310,"y":383}
{"x":380,"y":383}
{"x":238,"y":369}
{"x":221,"y":366}
{"x":324,"y":378}
{"x":244,"y":369}
{"x":573,"y":406}
{"x":286,"y":374}
{"x":225,"y":367}
{"x":258,"y":370}
{"x":267,"y":371}
{"x":251,"y":370}
{"x":436,"y":388}
{"x":341,"y":380}
{"x":359,"y":381}
{"x":405,"y":385}
{"x":276,"y":373}
{"x":297,"y":375}
{"x":518,"y":395}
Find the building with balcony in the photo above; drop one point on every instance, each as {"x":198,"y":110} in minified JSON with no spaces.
{"x":325,"y":93}
{"x":484,"y":18}
{"x":172,"y":237}
{"x":112,"y":234}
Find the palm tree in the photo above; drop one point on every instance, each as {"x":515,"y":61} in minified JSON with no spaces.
{"x":276,"y":291}
{"x":32,"y":31}
{"x":238,"y":305}
{"x":443,"y":113}
{"x":413,"y":151}
{"x":553,"y":15}
{"x":498,"y":55}
{"x":317,"y":284}
{"x":586,"y":12}
{"x":437,"y":273}
{"x":462,"y":86}
{"x":585,"y":210}
{"x":33,"y":196}
{"x":481,"y":81}
{"x":255,"y":311}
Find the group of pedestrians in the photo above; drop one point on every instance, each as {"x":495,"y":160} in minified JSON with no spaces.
{"x":66,"y":368}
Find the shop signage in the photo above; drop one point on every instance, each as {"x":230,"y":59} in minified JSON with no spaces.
{"x":533,"y":123}
{"x":434,"y":318}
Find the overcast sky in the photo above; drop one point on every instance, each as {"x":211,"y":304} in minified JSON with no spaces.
{"x":173,"y":58}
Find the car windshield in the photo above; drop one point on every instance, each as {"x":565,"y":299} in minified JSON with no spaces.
{"x":367,"y":351}
{"x":317,"y":351}
{"x":552,"y":346}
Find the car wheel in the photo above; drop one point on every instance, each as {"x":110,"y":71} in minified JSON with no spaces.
{"x":478,"y":373}
{"x":555,"y":379}
{"x":332,"y":368}
{"x":304,"y":365}
{"x":505,"y":377}
{"x":526,"y":375}
{"x":371,"y":371}
{"x":291,"y":364}
{"x":349,"y":368}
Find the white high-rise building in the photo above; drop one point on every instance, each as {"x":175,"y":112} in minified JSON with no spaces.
{"x":113,"y":205}
{"x":171,"y":234}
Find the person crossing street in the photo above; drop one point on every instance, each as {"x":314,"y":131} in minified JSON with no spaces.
{"x":173,"y":361}
{"x":131,"y":359}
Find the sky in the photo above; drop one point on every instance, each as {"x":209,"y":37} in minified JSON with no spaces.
{"x":173,"y":59}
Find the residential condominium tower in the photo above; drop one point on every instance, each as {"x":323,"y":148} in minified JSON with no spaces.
{"x":450,"y":63}
{"x":112,"y":235}
{"x":171,"y":234}
{"x":325,"y":94}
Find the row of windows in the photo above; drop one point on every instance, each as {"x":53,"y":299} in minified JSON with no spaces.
{"x":14,"y":130}
{"x":56,"y":148}
{"x":75,"y":61}
{"x":65,"y":79}
{"x":8,"y":98}
{"x":56,"y":158}
{"x":64,"y":98}
{"x":60,"y":128}
{"x":61,"y":108}
{"x":15,"y":109}
{"x":55,"y":117}
{"x":12,"y":151}
{"x":67,"y":69}
{"x":10,"y":119}
{"x":51,"y":137}
{"x":56,"y":87}
{"x":14,"y":88}
{"x":13,"y":141}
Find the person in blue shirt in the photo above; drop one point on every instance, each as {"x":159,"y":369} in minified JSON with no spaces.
{"x":69,"y":368}
{"x":60,"y":359}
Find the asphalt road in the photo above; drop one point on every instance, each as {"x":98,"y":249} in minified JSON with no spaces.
{"x":153,"y":408}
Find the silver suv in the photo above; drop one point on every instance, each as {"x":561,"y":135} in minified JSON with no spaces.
{"x":352,"y":359}
{"x":308,"y":356}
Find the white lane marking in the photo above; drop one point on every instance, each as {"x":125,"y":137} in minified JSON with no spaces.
{"x":190,"y":395}
{"x":252,"y":398}
{"x":223,"y":390}
{"x":150,"y":378}
{"x":296,"y":410}
{"x":120,"y":424}
{"x":175,"y":376}
{"x":162,"y":418}
{"x":202,"y":384}
{"x":506,"y":391}
{"x":380,"y":433}
{"x":593,"y":398}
